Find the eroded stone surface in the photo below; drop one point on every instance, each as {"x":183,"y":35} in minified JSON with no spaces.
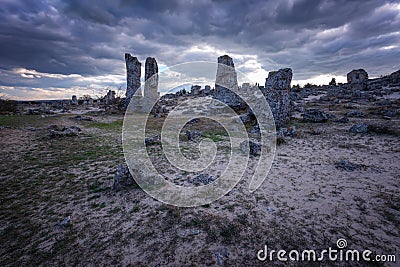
{"x":133,"y":72}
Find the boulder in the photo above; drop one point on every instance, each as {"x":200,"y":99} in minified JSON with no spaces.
{"x":316,"y":116}
{"x":254,"y":148}
{"x":122,"y":178}
{"x":359,"y":128}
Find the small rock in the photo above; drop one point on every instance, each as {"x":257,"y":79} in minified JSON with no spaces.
{"x":359,"y":128}
{"x":255,"y":148}
{"x":57,"y":131}
{"x":283,"y":132}
{"x":348,"y":166}
{"x":83,"y":118}
{"x":246,"y":118}
{"x":30,"y":128}
{"x":271,"y":209}
{"x":221,"y":255}
{"x":316,"y":116}
{"x":122,"y":178}
{"x":188,"y":232}
{"x":150,"y":141}
{"x":389,"y":112}
{"x":355,"y":113}
{"x":194,"y":121}
{"x":342,"y":120}
{"x":203,"y":179}
{"x":193,"y":135}
{"x":255,"y":129}
{"x":66,"y":221}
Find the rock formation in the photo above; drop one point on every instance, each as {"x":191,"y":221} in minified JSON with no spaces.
{"x":195,"y":90}
{"x":150,"y":94}
{"x":357,"y":79}
{"x":141,"y":102}
{"x":276,"y":91}
{"x":133,"y":72}
{"x":226,"y":81}
{"x":109,"y":97}
{"x":279,"y":80}
{"x":74,"y":100}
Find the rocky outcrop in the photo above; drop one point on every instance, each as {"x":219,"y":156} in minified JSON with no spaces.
{"x":133,"y":72}
{"x":150,"y":68}
{"x":357,"y":79}
{"x":279,"y":80}
{"x":226,"y":82}
{"x":150,"y":94}
{"x":316,"y":116}
{"x":280,"y":105}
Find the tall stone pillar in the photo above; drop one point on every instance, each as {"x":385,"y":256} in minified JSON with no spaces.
{"x":226,"y":81}
{"x":133,"y":72}
{"x":150,"y":94}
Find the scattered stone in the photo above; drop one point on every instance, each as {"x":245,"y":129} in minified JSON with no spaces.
{"x":83,"y":118}
{"x":271,"y":209}
{"x":342,"y":120}
{"x":315,"y":131}
{"x":66,"y":222}
{"x":122,"y":178}
{"x":316,"y":116}
{"x":359,"y":128}
{"x":193,"y":135}
{"x":245,"y":118}
{"x":355,"y":113}
{"x":389,"y":113}
{"x":194,"y":121}
{"x":203,"y":179}
{"x":151,"y":141}
{"x":30,"y":128}
{"x":188,"y":232}
{"x":291,"y":132}
{"x":349,"y":166}
{"x":59,"y":131}
{"x":221,"y":255}
{"x":255,"y":129}
{"x":255,"y":148}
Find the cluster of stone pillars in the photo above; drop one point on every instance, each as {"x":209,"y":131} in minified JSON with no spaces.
{"x":141,"y":102}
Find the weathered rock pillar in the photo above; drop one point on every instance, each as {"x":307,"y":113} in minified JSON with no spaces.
{"x":226,"y":81}
{"x":133,"y":72}
{"x":150,"y":94}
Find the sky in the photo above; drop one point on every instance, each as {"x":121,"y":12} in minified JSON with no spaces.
{"x":54,"y":49}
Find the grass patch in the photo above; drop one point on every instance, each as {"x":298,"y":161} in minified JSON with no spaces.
{"x":215,"y":136}
{"x":115,"y":125}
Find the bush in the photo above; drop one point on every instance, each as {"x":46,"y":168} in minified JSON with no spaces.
{"x":7,"y":106}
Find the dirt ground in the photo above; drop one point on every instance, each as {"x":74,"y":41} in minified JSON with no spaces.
{"x":306,"y":202}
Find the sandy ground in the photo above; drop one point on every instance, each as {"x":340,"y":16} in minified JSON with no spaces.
{"x":305,"y":202}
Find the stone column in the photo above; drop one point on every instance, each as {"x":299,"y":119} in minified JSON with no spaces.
{"x":150,"y":94}
{"x":226,"y":82}
{"x":133,"y":72}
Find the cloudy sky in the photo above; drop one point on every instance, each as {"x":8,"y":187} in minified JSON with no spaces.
{"x":53,"y":49}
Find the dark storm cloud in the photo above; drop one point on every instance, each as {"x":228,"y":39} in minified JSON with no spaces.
{"x":89,"y":38}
